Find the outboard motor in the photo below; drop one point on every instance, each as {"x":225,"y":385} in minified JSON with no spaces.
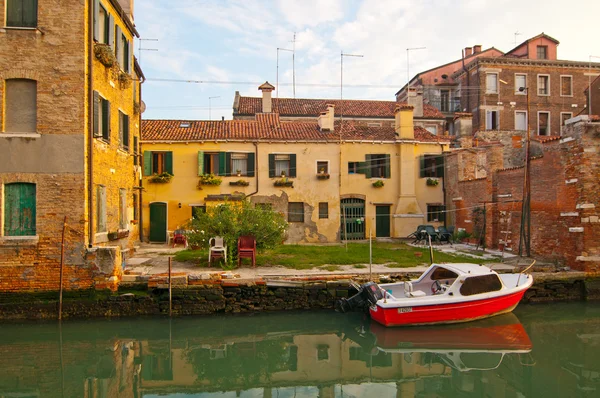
{"x":367,"y":295}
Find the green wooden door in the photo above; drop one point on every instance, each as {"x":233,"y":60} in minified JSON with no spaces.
{"x":382,"y":221}
{"x":19,"y":209}
{"x":353,"y":219}
{"x":158,"y":222}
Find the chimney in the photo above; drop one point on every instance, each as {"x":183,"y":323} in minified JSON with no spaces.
{"x":403,"y":122}
{"x":415,"y":99}
{"x":266,"y":89}
{"x":463,"y":124}
{"x":327,"y":118}
{"x":468,"y":51}
{"x":476,"y":48}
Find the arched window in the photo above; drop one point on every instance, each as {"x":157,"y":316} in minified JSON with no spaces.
{"x":19,"y":209}
{"x":20,"y":106}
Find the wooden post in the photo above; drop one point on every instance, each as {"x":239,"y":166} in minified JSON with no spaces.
{"x":170,"y":291}
{"x":430,"y":249}
{"x":370,"y":254}
{"x":62,"y":263}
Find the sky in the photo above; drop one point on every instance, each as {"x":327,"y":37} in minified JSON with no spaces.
{"x":231,"y":45}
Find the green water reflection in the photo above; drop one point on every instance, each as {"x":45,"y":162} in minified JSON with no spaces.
{"x":539,"y":351}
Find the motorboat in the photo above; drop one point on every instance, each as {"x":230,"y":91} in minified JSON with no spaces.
{"x":444,"y":293}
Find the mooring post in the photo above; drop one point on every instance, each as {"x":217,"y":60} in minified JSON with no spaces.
{"x":370,"y":253}
{"x":430,"y":250}
{"x":62,"y":263}
{"x":170,"y":291}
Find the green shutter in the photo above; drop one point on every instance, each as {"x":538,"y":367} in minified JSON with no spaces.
{"x":200,"y":163}
{"x":222,"y":170}
{"x":20,"y":209}
{"x":361,"y":167}
{"x":111,"y":31}
{"x":97,"y":20}
{"x":439,"y":166}
{"x":271,"y":165}
{"x":129,"y":54}
{"x":422,"y":166}
{"x":250,"y":165}
{"x":147,"y":163}
{"x":96,"y":128}
{"x":169,"y":162}
{"x":227,"y":163}
{"x":387,"y":167}
{"x":293,"y":165}
{"x":14,"y":12}
{"x":369,"y":166}
{"x":121,"y":132}
{"x":106,"y":120}
{"x":30,"y":13}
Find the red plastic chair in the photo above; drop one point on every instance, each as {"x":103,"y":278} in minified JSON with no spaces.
{"x":247,"y":249}
{"x":179,"y":237}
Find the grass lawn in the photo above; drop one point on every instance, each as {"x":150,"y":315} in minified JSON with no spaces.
{"x":396,"y":255}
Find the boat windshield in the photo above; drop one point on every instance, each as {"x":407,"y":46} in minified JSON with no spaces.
{"x":442,"y":273}
{"x":481,"y":284}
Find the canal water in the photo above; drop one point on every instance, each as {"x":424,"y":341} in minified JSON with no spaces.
{"x":538,"y":351}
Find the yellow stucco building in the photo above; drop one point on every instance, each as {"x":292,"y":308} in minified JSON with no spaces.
{"x":333,"y":180}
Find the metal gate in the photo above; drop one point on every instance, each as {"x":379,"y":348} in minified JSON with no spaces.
{"x":353,"y":219}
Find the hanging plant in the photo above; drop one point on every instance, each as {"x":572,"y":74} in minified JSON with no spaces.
{"x":210,"y":179}
{"x":378,"y":184}
{"x":161,"y":178}
{"x":124,"y":79}
{"x":105,"y":55}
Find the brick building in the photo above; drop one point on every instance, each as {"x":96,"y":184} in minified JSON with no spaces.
{"x":70,"y":100}
{"x":484,"y":186}
{"x":528,"y":84}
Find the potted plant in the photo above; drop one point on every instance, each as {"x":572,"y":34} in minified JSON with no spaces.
{"x":161,"y":178}
{"x":284,"y":183}
{"x":322,"y":175}
{"x":210,"y":179}
{"x":238,"y":172}
{"x":433,"y":182}
{"x":378,"y":184}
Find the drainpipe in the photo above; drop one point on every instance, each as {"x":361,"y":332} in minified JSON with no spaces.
{"x":138,"y":149}
{"x":90,"y":123}
{"x":256,"y":168}
{"x":468,"y":82}
{"x":444,"y":186}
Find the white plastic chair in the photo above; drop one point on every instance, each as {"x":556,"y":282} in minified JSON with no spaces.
{"x":218,"y":247}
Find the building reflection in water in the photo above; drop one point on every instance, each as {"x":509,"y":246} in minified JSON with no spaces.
{"x":299,"y":355}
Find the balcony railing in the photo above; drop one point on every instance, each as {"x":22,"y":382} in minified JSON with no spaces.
{"x":448,"y":105}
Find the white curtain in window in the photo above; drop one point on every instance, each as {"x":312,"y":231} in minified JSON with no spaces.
{"x":282,"y":164}
{"x":239,"y":161}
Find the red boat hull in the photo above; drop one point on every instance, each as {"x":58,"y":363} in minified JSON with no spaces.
{"x":463,"y":311}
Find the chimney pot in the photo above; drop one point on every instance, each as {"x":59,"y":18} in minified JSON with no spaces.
{"x":468,"y":51}
{"x":326,"y":119}
{"x":476,"y":48}
{"x":266,"y":89}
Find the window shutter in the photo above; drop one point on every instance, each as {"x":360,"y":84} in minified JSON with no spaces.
{"x":271,"y":165}
{"x":293,"y":165}
{"x":111,"y":31}
{"x":361,"y":167}
{"x":96,"y":127}
{"x":422,"y":166}
{"x":96,"y":20}
{"x":200,"y":163}
{"x":227,"y":163}
{"x":250,"y":165}
{"x":387,"y":166}
{"x":106,"y":120}
{"x":222,"y":162}
{"x":169,"y":162}
{"x":121,"y":132}
{"x":147,"y":163}
{"x":10,"y":209}
{"x":118,"y":45}
{"x":30,"y":13}
{"x":439,"y":165}
{"x":369,"y":166}
{"x":129,"y":55}
{"x":126,"y":132}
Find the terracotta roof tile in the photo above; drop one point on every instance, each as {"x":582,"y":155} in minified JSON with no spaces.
{"x":546,"y":138}
{"x":269,"y":127}
{"x":313,"y":107}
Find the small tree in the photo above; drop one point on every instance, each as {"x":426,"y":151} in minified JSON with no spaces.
{"x":234,"y":219}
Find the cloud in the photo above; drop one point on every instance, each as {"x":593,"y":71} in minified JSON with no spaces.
{"x":311,"y":12}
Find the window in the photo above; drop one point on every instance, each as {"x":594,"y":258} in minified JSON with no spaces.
{"x":543,"y":84}
{"x":521,"y":120}
{"x":295,"y":212}
{"x":542,"y":52}
{"x":323,"y":166}
{"x":564,"y":116}
{"x":125,"y":54}
{"x":123,"y":208}
{"x":323,"y":210}
{"x":566,"y":86}
{"x":432,"y":166}
{"x":103,"y":25}
{"x":353,"y":167}
{"x":158,"y":162}
{"x":101,"y":209}
{"x":378,"y":166}
{"x":322,"y":352}
{"x":197,"y":210}
{"x":491,"y":83}
{"x":21,"y":13}
{"x":543,"y":123}
{"x":282,"y":163}
{"x":435,"y":213}
{"x":124,"y":131}
{"x":431,"y":129}
{"x":239,"y":163}
{"x":20,"y":106}
{"x":480,"y":284}
{"x":211,"y":163}
{"x":492,"y":120}
{"x":443,"y":273}
{"x":19,"y":209}
{"x":101,"y":117}
{"x":520,"y":82}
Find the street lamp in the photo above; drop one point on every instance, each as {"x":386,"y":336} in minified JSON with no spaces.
{"x":209,"y":106}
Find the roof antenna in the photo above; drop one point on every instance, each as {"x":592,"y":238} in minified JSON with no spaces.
{"x":517,"y":33}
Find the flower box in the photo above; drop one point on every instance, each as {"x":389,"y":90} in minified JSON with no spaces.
{"x":161,"y":178}
{"x":280,"y":183}
{"x":239,"y":183}
{"x":432,"y":182}
{"x":323,"y":176}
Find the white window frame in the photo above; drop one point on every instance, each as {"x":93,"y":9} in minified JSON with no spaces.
{"x":432,"y":126}
{"x":561,"y":86}
{"x":517,"y":92}
{"x":547,"y":86}
{"x":487,"y":87}
{"x":549,"y":123}
{"x":521,"y":111}
{"x":561,"y":120}
{"x":497,"y":119}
